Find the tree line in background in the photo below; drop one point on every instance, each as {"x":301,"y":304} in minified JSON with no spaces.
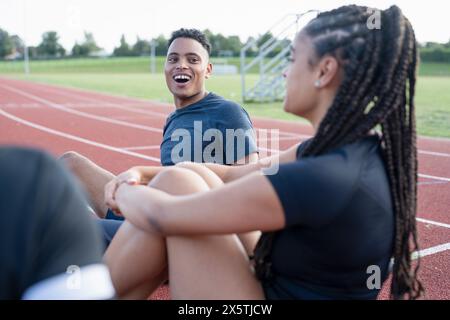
{"x":12,"y":47}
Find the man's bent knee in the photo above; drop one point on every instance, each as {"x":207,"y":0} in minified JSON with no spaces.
{"x":70,"y":158}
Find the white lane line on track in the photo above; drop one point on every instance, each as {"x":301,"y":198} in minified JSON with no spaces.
{"x":142,"y":148}
{"x":431,"y":183}
{"x":430,"y":251}
{"x":437,"y":154}
{"x":84,"y":91}
{"x":422,"y":253}
{"x":78,"y":139}
{"x":81,"y":113}
{"x":104,"y":103}
{"x":434,"y":177}
{"x":290,"y":135}
{"x":142,"y":127}
{"x":440,"y":224}
{"x":420,"y":174}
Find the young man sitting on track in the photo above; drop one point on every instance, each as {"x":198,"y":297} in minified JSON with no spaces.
{"x":186,"y":68}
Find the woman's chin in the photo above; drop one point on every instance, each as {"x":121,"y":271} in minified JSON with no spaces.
{"x":288,"y":110}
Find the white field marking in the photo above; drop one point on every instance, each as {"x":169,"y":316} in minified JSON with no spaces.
{"x":21,"y":105}
{"x":430,"y":251}
{"x":85,"y":105}
{"x":106,"y":104}
{"x":84,"y":91}
{"x":132,"y":117}
{"x":81,"y":113}
{"x":290,"y":135}
{"x":427,"y":152}
{"x":142,"y":148}
{"x":437,"y":154}
{"x":440,"y":224}
{"x":293,"y":136}
{"x":78,"y":139}
{"x":420,"y":175}
{"x":280,"y":139}
{"x":127,"y":152}
{"x":428,"y":183}
{"x":132,"y":99}
{"x":128,"y":124}
{"x":434,"y":177}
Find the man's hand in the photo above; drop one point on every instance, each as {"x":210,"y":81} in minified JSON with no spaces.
{"x":130,"y":177}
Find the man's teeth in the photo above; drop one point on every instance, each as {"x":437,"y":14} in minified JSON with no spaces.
{"x":182,"y":77}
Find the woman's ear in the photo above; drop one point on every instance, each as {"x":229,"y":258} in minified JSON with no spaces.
{"x":328,"y":70}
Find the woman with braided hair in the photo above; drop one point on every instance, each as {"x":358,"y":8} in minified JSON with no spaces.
{"x":339,"y":205}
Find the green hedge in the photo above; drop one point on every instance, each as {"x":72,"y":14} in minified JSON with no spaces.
{"x":435,"y":55}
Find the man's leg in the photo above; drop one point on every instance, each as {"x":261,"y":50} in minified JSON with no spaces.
{"x":92,"y":177}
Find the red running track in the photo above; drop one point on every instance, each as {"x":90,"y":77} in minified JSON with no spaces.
{"x":120,"y":132}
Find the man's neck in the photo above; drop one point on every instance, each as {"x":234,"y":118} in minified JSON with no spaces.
{"x":182,"y":103}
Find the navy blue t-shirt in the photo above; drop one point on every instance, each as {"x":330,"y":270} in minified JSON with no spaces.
{"x":210,"y":130}
{"x":204,"y":121}
{"x":339,"y":222}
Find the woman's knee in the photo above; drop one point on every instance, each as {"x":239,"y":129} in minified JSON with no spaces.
{"x":207,"y":174}
{"x":176,"y":180}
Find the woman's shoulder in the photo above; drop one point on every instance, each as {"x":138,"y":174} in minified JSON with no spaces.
{"x":344,"y":163}
{"x":357,"y":150}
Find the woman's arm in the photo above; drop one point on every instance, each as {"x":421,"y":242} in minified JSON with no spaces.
{"x":143,"y":175}
{"x":231,"y":173}
{"x":240,"y":206}
{"x":226,"y":173}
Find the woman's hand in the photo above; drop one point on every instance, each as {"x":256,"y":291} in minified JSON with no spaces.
{"x":129,"y":177}
{"x":143,"y":206}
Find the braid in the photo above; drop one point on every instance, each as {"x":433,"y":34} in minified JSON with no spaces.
{"x":378,"y":88}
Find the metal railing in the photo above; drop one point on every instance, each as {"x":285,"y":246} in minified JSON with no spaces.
{"x":270,"y":59}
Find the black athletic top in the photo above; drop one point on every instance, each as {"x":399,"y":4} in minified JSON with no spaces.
{"x":45,"y":226}
{"x":339,"y":222}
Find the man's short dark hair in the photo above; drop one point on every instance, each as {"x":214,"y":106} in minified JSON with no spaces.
{"x":195,"y":34}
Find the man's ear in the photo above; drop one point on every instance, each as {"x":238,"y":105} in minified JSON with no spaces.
{"x":209,"y":68}
{"x":327,"y":72}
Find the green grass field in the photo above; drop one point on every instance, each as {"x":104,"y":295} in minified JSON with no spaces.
{"x":101,"y":65}
{"x":142,"y":65}
{"x":130,"y":77}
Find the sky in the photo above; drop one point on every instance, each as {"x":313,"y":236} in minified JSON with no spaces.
{"x":109,"y":19}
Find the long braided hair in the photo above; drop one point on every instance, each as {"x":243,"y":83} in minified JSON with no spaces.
{"x":377,"y":90}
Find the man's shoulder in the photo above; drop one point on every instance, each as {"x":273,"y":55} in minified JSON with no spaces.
{"x":226,"y":107}
{"x":217,"y":99}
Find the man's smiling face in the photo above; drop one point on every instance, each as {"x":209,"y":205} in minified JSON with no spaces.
{"x":187,"y":65}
